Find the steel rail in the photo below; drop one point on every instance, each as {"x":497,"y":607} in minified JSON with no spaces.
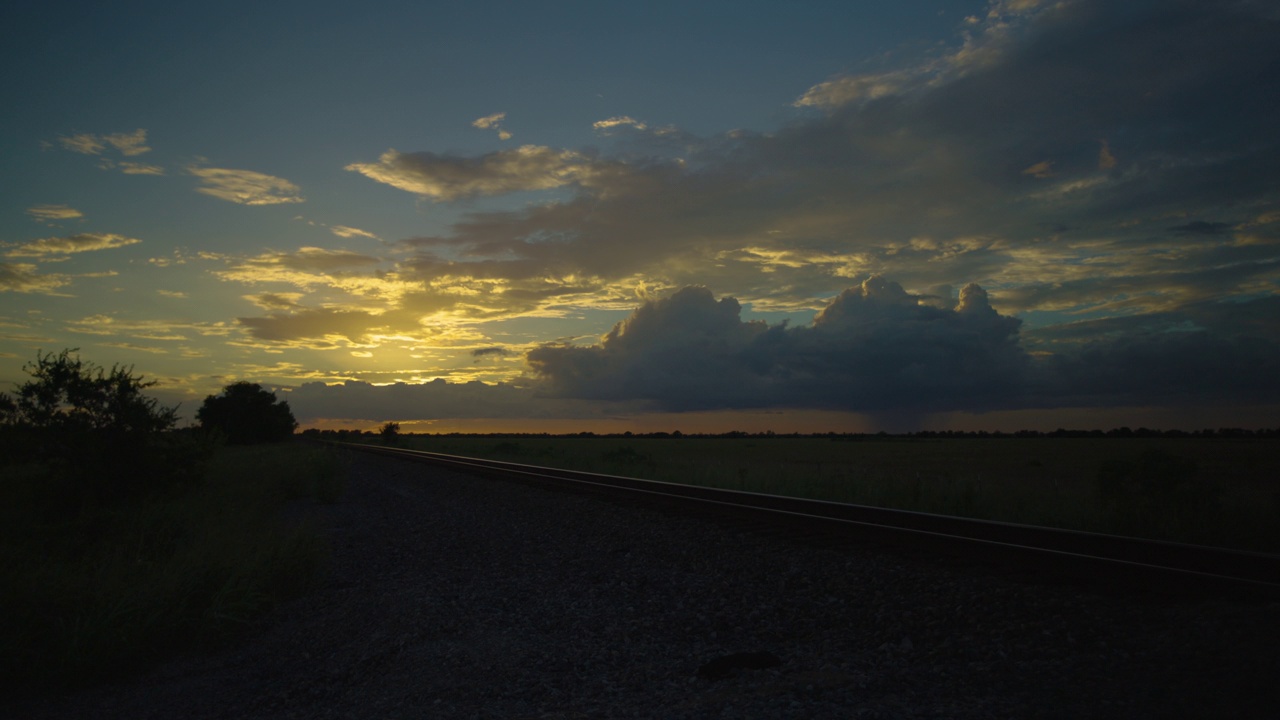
{"x":1080,"y":554}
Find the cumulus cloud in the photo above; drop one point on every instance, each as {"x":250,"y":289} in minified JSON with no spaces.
{"x":81,"y":242}
{"x":875,"y":347}
{"x":54,"y":212}
{"x":450,"y":177}
{"x":1058,"y":154}
{"x":245,"y":187}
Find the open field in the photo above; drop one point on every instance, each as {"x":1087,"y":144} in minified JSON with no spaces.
{"x":109,"y":589}
{"x":1202,"y":490}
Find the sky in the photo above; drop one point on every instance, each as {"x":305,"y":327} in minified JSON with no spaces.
{"x":600,"y":216}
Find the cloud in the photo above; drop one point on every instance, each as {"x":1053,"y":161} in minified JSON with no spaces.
{"x":23,"y":278}
{"x":315,"y":327}
{"x":451,"y":177}
{"x":84,"y":144}
{"x":981,"y":163}
{"x":343,"y":231}
{"x":312,"y":267}
{"x":127,"y":144}
{"x":81,"y":242}
{"x":873,"y":348}
{"x":493,"y":122}
{"x":54,"y":212}
{"x":1042,"y":169}
{"x":618,"y":121}
{"x":850,"y":89}
{"x":245,"y":187}
{"x":133,"y":168}
{"x":878,"y":349}
{"x":275,"y":301}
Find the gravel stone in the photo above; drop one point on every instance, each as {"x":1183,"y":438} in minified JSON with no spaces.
{"x":452,"y":596}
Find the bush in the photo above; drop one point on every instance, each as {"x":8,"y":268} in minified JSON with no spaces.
{"x":87,"y":435}
{"x":390,"y":433}
{"x":246,"y":414}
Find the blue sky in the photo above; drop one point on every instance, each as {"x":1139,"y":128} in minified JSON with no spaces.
{"x":632,"y":216}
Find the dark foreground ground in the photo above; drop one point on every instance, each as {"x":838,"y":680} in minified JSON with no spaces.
{"x":457,"y":597}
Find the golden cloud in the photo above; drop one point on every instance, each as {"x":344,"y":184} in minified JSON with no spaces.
{"x":81,"y":242}
{"x":54,"y":212}
{"x":23,"y":278}
{"x":449,"y":177}
{"x":245,"y":187}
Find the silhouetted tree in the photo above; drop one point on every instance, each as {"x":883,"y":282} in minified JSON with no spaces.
{"x":390,"y":432}
{"x":90,"y":434}
{"x":247,"y":414}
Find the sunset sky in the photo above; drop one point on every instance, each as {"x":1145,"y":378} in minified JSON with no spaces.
{"x":608,"y":216}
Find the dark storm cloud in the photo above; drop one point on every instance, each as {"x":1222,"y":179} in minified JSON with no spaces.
{"x":876,"y":348}
{"x":873,"y":348}
{"x":1165,"y":368}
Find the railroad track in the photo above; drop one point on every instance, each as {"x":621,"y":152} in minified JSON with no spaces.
{"x":1050,"y":554}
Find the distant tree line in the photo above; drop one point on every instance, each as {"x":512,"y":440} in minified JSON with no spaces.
{"x":390,"y":431}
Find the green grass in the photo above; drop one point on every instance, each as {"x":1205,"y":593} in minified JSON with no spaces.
{"x":1206,"y":491}
{"x":111,"y":590}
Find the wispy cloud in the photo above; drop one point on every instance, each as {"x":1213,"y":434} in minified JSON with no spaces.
{"x":450,"y":177}
{"x":344,"y":231}
{"x":127,"y":144}
{"x":493,"y":122}
{"x":81,"y":242}
{"x":245,"y":187}
{"x":133,"y":168}
{"x":54,"y":212}
{"x":304,"y":267}
{"x":23,"y":278}
{"x":84,"y":144}
{"x":618,"y":121}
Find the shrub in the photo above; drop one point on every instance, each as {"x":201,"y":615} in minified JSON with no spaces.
{"x":390,"y":433}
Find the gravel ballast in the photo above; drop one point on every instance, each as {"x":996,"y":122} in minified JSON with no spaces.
{"x":454,"y":596}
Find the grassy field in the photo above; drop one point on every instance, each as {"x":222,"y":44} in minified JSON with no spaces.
{"x":104,"y":592}
{"x":1208,"y":491}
